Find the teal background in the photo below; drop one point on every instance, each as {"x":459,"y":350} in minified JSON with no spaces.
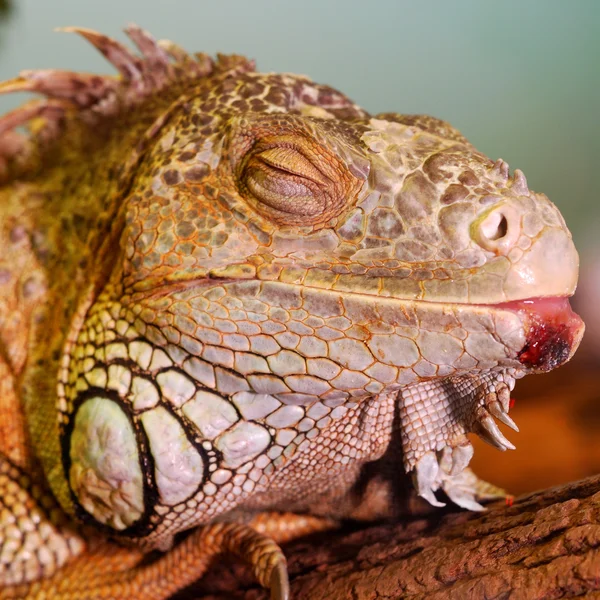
{"x":521,"y":79}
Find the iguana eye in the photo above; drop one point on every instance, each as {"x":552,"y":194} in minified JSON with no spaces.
{"x":293,"y":171}
{"x":283,"y":178}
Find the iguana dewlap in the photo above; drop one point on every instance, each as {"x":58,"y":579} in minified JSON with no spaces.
{"x":225,"y":292}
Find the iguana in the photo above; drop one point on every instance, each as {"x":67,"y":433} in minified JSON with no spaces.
{"x":236,"y":303}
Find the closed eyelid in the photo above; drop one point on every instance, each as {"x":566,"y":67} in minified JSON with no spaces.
{"x":293,"y":162}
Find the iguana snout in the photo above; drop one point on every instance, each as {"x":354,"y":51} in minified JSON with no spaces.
{"x":532,"y":236}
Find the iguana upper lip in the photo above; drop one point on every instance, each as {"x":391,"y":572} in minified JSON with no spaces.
{"x":182,"y":280}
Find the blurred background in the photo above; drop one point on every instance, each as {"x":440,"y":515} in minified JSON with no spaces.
{"x":520,"y":79}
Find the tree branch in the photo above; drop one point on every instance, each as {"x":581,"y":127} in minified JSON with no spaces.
{"x":546,"y":545}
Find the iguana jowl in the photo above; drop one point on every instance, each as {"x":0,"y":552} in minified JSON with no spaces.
{"x":224,"y":293}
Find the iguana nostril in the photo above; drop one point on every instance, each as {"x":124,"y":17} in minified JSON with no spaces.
{"x":495,"y":231}
{"x":499,"y":230}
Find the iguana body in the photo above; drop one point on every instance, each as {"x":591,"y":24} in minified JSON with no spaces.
{"x":224,"y":292}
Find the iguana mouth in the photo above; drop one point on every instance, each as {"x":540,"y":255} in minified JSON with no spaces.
{"x":554,"y":331}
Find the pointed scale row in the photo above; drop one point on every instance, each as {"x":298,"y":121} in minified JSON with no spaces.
{"x":518,"y":183}
{"x":160,"y":63}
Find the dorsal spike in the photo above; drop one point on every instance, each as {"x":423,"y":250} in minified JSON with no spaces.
{"x":236,"y":63}
{"x":83,"y":89}
{"x":156,"y":64}
{"x":15,"y":145}
{"x":17,"y":84}
{"x":128,"y":65}
{"x":49,"y":109}
{"x":500,"y":169}
{"x":519,"y":183}
{"x":199,"y":65}
{"x":90,"y":97}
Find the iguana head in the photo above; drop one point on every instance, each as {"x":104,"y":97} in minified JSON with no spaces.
{"x":279,"y":257}
{"x":306,"y":196}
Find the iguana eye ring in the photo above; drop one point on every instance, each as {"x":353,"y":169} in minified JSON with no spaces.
{"x":291,"y":171}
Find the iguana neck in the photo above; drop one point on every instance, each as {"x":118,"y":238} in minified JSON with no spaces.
{"x":72,"y":193}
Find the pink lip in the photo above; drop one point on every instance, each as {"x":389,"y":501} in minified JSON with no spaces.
{"x":554,"y":331}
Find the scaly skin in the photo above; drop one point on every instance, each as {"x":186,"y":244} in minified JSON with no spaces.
{"x":224,"y":293}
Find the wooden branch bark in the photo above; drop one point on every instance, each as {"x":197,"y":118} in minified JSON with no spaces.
{"x":546,"y":545}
